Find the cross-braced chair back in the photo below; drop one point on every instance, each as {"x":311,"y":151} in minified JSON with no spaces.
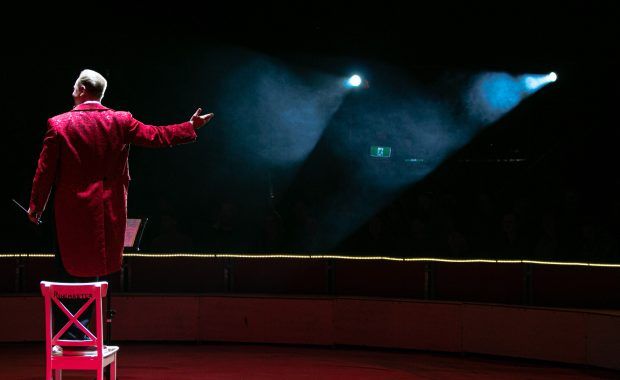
{"x":57,"y":346}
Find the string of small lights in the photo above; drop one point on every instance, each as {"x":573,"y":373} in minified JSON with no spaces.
{"x":164,"y":255}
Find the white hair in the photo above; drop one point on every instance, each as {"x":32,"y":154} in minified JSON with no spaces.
{"x":94,"y":83}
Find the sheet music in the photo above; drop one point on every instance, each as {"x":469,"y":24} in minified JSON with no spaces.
{"x":131,"y":231}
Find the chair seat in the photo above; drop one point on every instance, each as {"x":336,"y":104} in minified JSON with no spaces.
{"x":107,"y":351}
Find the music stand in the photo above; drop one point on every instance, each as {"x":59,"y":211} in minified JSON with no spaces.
{"x":134,"y":230}
{"x":133,"y":233}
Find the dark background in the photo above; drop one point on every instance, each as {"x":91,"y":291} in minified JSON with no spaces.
{"x":560,"y":203}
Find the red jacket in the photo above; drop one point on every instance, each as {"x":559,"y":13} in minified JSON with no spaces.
{"x":84,"y":156}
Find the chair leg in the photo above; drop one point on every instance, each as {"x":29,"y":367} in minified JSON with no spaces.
{"x":58,"y":374}
{"x":100,"y":374}
{"x":113,"y":368}
{"x":48,"y":373}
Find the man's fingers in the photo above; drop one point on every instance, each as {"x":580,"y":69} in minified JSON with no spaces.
{"x":34,"y":218}
{"x":199,"y":120}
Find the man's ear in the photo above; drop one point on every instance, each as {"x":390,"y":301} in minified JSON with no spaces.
{"x":81,"y":90}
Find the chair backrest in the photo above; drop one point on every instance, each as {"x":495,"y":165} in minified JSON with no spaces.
{"x":57,"y":293}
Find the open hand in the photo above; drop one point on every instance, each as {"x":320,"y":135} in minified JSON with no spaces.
{"x":198,"y":120}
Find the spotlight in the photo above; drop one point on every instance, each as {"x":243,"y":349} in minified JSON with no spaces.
{"x":355,"y":81}
{"x":534,"y":82}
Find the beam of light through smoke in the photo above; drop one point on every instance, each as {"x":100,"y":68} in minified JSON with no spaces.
{"x":274,"y":115}
{"x":494,"y":94}
{"x":422,"y":127}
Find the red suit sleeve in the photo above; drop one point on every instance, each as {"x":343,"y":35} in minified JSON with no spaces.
{"x":159,"y":136}
{"x":46,"y":171}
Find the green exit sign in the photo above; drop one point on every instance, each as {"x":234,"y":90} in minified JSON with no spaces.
{"x":380,"y":151}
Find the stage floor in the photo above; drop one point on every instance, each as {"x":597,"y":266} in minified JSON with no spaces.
{"x":169,"y":361}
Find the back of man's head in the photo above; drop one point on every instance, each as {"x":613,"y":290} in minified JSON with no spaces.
{"x":94,"y":83}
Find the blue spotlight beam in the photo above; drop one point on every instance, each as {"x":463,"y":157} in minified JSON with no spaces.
{"x":495,"y":94}
{"x":535,"y":82}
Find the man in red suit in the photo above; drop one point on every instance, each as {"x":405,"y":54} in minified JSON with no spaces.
{"x":84,"y":156}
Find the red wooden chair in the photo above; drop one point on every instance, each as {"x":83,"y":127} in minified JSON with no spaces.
{"x":87,"y":354}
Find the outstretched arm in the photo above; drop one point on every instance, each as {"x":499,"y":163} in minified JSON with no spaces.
{"x":154,"y":137}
